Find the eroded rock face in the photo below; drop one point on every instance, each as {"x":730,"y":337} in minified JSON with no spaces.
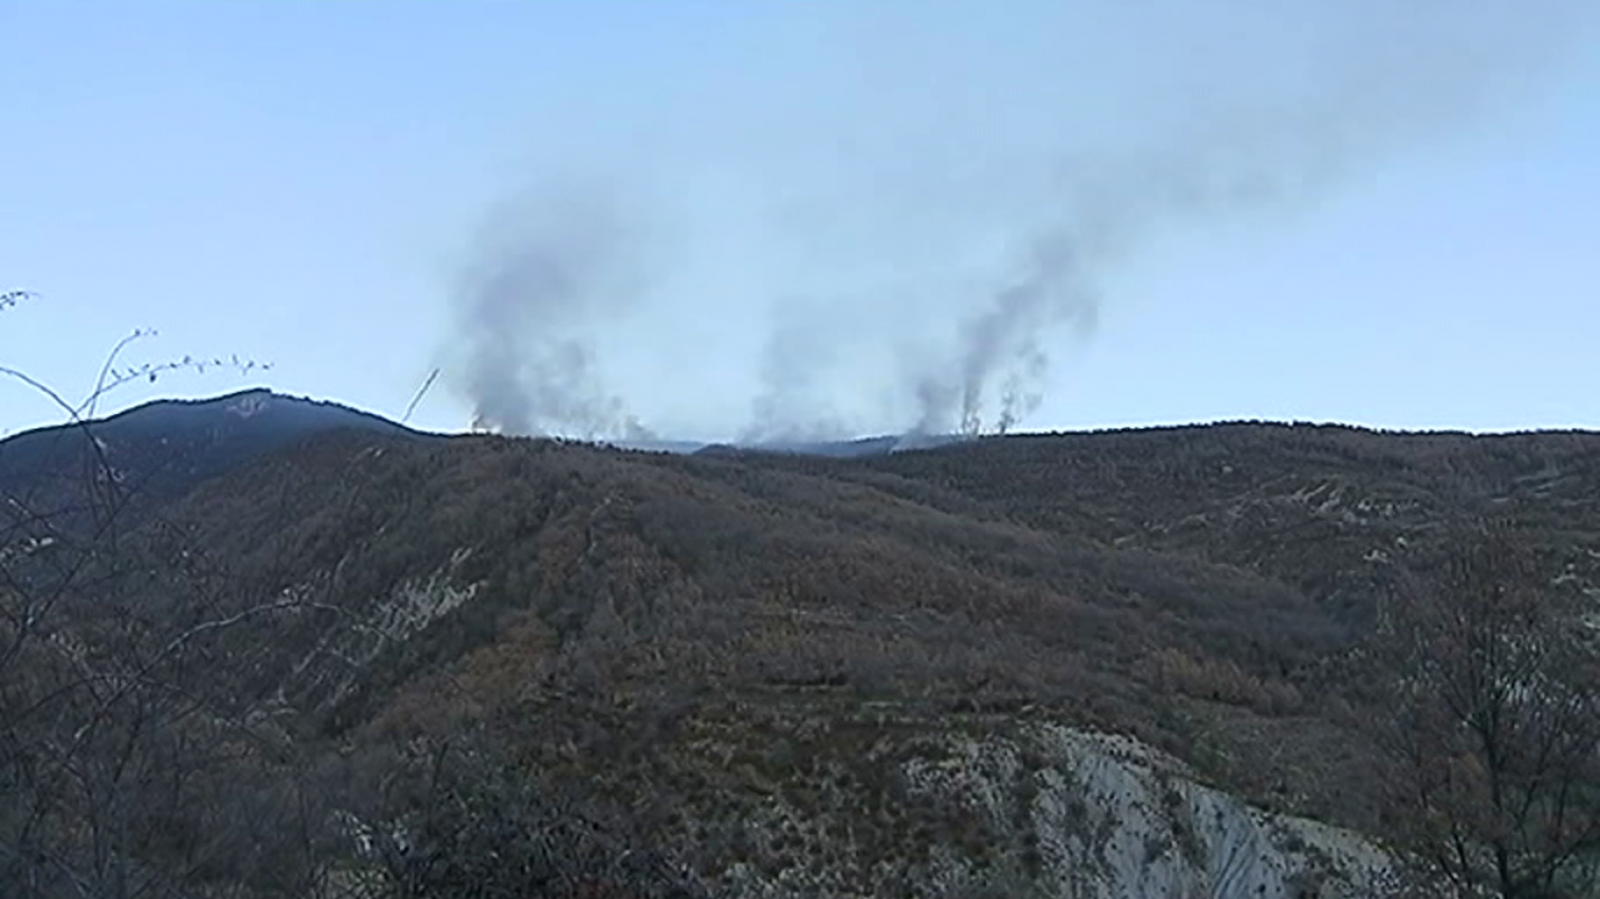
{"x":1043,"y":810}
{"x":1115,"y":819}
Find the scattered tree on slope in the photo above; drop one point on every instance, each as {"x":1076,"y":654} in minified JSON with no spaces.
{"x":1496,"y":741}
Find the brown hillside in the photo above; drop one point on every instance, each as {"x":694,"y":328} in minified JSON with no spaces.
{"x":668,"y":639}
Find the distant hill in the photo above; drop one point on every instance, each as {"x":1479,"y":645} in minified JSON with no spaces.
{"x":842,"y":449}
{"x":839,"y":449}
{"x":159,"y":450}
{"x":165,"y":447}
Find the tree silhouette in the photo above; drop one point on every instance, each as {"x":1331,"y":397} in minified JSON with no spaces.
{"x":110,"y":761}
{"x":1495,"y":744}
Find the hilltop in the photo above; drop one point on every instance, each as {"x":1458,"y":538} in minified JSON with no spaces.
{"x":155,"y":452}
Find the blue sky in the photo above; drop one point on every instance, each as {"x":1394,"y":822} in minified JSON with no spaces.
{"x":805,"y":206}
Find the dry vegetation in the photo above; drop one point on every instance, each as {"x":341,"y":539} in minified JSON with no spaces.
{"x":651,"y":644}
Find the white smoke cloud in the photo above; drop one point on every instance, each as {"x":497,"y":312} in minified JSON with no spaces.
{"x":549,"y":269}
{"x":1308,"y":97}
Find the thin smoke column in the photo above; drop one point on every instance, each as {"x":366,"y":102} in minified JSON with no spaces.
{"x":1007,"y":337}
{"x":548,"y":269}
{"x":1389,"y":82}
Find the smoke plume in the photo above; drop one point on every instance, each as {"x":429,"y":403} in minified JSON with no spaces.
{"x":794,"y":405}
{"x":1390,"y":83}
{"x":547,"y":270}
{"x":1004,"y":339}
{"x":1228,"y":133}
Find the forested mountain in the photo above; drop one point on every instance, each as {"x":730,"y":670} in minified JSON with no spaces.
{"x":282,"y":649}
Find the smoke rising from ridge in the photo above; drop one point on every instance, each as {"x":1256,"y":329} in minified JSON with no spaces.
{"x":793,"y":406}
{"x":546,"y":267}
{"x":1006,"y":335}
{"x":965,"y":344}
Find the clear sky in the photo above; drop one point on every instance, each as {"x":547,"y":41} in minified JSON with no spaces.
{"x":807,"y":215}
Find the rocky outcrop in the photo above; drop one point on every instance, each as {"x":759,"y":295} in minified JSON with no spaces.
{"x":1037,"y":810}
{"x":1115,"y":819}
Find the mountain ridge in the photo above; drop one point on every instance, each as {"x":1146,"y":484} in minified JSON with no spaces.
{"x":794,"y":672}
{"x":325,"y":413}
